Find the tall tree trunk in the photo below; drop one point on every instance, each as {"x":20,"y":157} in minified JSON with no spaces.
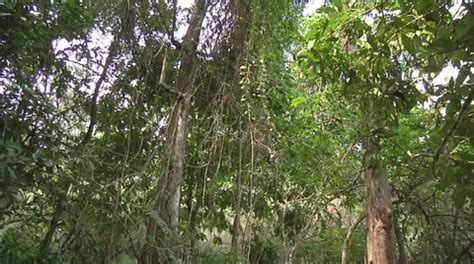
{"x":110,"y":242}
{"x":348,"y":240}
{"x":452,"y":252}
{"x":289,"y":253}
{"x":192,"y":209}
{"x":44,"y":249}
{"x":110,"y":246}
{"x":239,"y":37}
{"x":379,"y":206}
{"x":161,"y":226}
{"x":402,"y":254}
{"x":238,"y":197}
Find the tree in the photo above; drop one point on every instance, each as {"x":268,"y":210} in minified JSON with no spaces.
{"x":123,"y":140}
{"x":379,"y":79}
{"x":162,"y":225}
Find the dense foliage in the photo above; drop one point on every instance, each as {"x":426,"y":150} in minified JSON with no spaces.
{"x":259,"y":129}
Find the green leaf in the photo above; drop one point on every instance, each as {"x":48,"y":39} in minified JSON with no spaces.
{"x":408,"y":44}
{"x":337,"y":4}
{"x":297,"y":101}
{"x":29,"y":167}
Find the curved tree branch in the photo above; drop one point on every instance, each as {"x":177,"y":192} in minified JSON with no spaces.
{"x":93,"y":108}
{"x":348,"y":239}
{"x":462,"y":113}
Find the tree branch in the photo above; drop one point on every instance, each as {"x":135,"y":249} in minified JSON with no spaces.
{"x":93,"y":109}
{"x":451,"y":131}
{"x":348,"y":239}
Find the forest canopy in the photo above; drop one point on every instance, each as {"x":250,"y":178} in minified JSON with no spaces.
{"x":236,"y":131}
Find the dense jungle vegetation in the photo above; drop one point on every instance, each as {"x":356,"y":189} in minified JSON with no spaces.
{"x":236,"y":131}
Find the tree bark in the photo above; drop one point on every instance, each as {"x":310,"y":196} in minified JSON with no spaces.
{"x":44,"y":250}
{"x":379,"y":206}
{"x":289,"y":252}
{"x":402,"y":254}
{"x":240,"y":34}
{"x":452,"y":253}
{"x":192,"y":208}
{"x":161,"y":226}
{"x":110,"y":246}
{"x":238,"y":198}
{"x":347,"y":241}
